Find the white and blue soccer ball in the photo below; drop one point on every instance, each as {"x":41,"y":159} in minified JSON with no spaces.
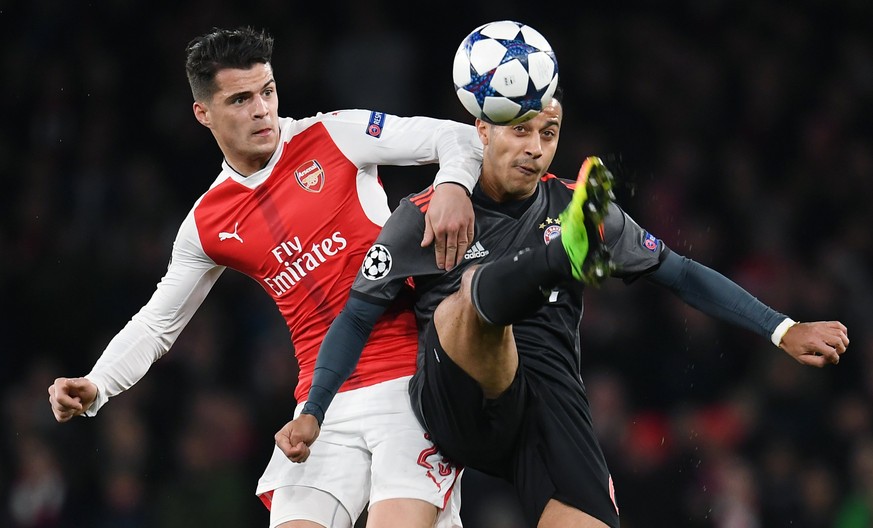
{"x":505,"y":72}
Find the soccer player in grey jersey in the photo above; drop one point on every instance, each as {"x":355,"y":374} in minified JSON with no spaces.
{"x":498,"y":384}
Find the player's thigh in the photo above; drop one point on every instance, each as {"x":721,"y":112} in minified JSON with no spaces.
{"x":469,"y":429}
{"x":410,"y":513}
{"x":409,"y":474}
{"x":558,"y":463}
{"x":416,"y":513}
{"x":304,"y":507}
{"x":339,"y":464}
{"x":560,"y":515}
{"x":486,"y":352}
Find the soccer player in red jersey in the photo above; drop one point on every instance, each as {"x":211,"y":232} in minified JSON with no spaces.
{"x":297,"y":204}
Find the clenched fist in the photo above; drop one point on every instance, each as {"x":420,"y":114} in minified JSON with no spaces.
{"x":71,"y":397}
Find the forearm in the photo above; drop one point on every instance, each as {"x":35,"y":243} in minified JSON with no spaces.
{"x":125,"y":361}
{"x":339,"y":353}
{"x":715,"y":295}
{"x":460,"y":155}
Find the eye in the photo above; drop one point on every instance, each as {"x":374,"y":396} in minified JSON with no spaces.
{"x":269,"y":91}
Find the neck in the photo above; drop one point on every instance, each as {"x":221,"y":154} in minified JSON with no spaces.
{"x":247,"y":167}
{"x":500,"y":192}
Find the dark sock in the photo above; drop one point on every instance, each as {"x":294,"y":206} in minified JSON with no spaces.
{"x":512,"y":288}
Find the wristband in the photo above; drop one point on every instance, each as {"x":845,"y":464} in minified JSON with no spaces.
{"x":779,"y":333}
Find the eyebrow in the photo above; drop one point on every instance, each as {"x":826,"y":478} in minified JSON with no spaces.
{"x":248,"y":93}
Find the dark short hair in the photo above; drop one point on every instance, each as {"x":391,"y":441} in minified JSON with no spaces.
{"x":220,"y":49}
{"x":559,"y":95}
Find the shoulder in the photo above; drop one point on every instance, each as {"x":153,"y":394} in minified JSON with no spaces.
{"x":408,"y":217}
{"x":419,"y":201}
{"x":550,"y":179}
{"x":348,"y":125}
{"x":556,"y":185}
{"x":188,"y":249}
{"x":337,"y":118}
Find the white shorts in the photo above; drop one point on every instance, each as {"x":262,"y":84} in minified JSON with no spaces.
{"x":371,"y":448}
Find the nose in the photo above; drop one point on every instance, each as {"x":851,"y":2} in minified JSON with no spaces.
{"x":534,"y":147}
{"x":260,"y":107}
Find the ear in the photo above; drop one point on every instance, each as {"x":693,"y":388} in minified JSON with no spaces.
{"x":483,"y":128}
{"x":201,"y":112}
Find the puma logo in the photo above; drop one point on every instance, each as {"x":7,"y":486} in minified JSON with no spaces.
{"x":224,"y":235}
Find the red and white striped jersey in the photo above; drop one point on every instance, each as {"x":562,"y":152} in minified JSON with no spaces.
{"x":300,"y":228}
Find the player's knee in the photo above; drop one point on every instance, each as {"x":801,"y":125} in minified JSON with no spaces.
{"x":458,"y":305}
{"x":479,"y":303}
{"x":467,"y":281}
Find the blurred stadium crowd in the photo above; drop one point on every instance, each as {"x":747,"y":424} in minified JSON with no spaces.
{"x":742,"y":137}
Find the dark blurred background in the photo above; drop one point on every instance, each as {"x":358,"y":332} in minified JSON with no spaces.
{"x":741,"y":135}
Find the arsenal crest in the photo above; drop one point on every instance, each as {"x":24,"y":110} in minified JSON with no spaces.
{"x":310,"y":176}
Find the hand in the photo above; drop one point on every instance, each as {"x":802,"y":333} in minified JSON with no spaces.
{"x":71,"y":397}
{"x":296,"y":436}
{"x":816,"y":344}
{"x":449,"y":221}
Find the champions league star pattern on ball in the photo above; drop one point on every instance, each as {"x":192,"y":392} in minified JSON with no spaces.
{"x":505,"y":72}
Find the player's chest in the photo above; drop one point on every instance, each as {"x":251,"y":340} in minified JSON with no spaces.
{"x":306,"y":210}
{"x":497,"y":234}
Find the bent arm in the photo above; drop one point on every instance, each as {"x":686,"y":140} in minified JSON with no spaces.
{"x":340,"y":352}
{"x":715,"y":295}
{"x":424,"y":140}
{"x":459,"y":150}
{"x":406,"y":141}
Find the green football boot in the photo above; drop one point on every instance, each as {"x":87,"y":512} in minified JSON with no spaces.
{"x":589,"y":258}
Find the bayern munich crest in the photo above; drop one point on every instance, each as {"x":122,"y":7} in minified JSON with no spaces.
{"x":377,"y":263}
{"x":551,"y":232}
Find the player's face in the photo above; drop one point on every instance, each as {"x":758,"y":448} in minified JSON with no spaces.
{"x":243,"y":116}
{"x":516,"y":157}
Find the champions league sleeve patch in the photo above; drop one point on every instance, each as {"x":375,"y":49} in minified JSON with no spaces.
{"x":649,"y":241}
{"x":377,"y":263}
{"x":374,"y":127}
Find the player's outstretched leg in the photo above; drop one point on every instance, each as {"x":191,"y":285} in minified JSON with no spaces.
{"x":510,"y":289}
{"x":589,"y":259}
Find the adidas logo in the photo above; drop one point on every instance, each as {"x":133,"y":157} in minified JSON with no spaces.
{"x":475,"y":251}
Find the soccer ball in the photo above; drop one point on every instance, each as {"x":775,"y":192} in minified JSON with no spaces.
{"x":505,"y":72}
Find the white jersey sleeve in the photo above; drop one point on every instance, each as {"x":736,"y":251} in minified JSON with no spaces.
{"x":153,"y":330}
{"x":370,"y":138}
